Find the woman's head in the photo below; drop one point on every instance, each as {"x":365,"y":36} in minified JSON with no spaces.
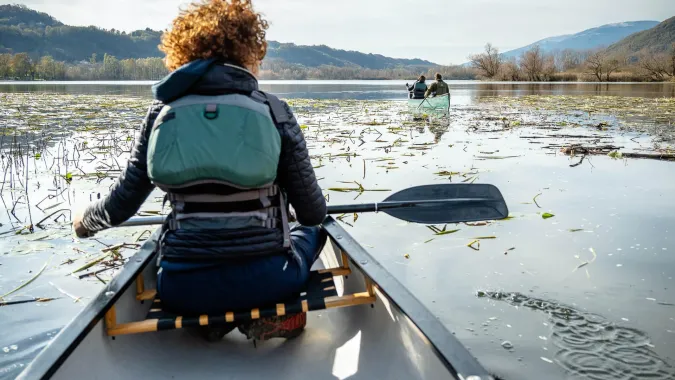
{"x":228,"y":30}
{"x":421,"y":79}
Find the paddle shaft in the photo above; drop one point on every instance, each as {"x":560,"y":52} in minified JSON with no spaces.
{"x":383,"y":206}
{"x":338,"y":209}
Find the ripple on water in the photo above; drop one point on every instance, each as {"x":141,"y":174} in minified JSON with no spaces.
{"x":592,"y":347}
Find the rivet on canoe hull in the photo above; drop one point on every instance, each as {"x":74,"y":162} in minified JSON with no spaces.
{"x":109,"y":294}
{"x":339,"y":237}
{"x":473,"y":378}
{"x":365,"y":262}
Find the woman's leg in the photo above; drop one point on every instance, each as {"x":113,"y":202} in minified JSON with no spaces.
{"x":308,"y":242}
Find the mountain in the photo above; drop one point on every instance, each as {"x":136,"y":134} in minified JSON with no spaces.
{"x":23,"y":30}
{"x":314,"y":56}
{"x":599,"y":37}
{"x":657,"y":39}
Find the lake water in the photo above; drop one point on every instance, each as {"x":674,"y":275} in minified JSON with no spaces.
{"x":462,"y":91}
{"x":587,"y":293}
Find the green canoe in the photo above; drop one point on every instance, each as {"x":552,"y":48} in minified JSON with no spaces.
{"x":436,"y":103}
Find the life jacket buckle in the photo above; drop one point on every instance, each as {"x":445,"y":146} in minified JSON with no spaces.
{"x":211,"y":111}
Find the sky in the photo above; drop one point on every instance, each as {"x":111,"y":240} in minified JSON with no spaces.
{"x":442,"y":31}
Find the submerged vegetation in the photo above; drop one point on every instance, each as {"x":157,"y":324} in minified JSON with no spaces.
{"x":63,"y":150}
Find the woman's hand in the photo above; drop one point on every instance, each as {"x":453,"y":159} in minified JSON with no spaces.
{"x":80,"y":230}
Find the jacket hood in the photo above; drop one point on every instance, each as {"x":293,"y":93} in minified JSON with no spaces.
{"x":204,"y":77}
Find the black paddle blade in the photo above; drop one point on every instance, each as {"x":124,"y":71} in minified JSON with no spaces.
{"x":448,"y":203}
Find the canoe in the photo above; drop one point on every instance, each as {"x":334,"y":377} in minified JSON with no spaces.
{"x":368,"y":326}
{"x":436,"y":104}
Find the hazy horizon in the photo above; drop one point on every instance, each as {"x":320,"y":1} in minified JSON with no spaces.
{"x":435,"y":30}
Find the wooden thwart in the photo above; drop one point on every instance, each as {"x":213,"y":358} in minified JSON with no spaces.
{"x":326,"y":286}
{"x":146,"y":295}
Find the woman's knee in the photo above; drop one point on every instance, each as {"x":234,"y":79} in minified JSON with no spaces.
{"x":308,"y":242}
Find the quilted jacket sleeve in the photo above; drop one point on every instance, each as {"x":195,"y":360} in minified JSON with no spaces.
{"x":132,"y":187}
{"x":433,"y":88}
{"x":296,"y":174}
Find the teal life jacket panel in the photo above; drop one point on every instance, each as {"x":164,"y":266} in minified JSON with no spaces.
{"x":418,"y":90}
{"x":229,"y":140}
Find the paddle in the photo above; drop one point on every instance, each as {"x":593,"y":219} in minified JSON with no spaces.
{"x":422,"y":102}
{"x":428,"y":204}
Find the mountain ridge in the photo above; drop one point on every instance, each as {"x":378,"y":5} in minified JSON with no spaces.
{"x":593,"y":38}
{"x":24,"y":30}
{"x":658,"y":39}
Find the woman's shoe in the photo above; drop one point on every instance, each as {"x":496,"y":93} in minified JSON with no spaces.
{"x":287,"y":326}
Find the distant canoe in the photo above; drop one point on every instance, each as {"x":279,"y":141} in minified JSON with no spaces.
{"x":436,"y":103}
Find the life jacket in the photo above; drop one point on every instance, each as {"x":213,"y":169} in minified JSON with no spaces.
{"x":419,"y":86}
{"x":442,"y":88}
{"x":217,"y":157}
{"x":418,"y":90}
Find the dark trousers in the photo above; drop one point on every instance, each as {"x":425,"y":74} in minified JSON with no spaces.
{"x":216,"y":288}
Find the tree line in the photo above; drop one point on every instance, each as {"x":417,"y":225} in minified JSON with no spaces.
{"x":278,"y":69}
{"x":572,"y":65}
{"x":21,"y":66}
{"x":532,"y":65}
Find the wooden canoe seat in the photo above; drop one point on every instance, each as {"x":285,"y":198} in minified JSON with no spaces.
{"x":320,"y":294}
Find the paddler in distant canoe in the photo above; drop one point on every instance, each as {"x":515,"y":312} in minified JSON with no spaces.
{"x":438,"y":88}
{"x":416,"y":91}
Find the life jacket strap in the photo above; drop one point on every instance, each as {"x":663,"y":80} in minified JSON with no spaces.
{"x":250,"y":195}
{"x":267,"y":216}
{"x":284,"y":222}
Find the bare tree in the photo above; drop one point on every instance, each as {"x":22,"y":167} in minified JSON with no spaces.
{"x":488,"y":63}
{"x":602,"y":65}
{"x":611,"y":65}
{"x":654,"y":66}
{"x":532,"y":64}
{"x":568,"y":59}
{"x":595,"y":64}
{"x":510,"y":71}
{"x":672,"y":60}
{"x":548,"y":68}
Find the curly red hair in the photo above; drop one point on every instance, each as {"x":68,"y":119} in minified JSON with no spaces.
{"x":229,"y":30}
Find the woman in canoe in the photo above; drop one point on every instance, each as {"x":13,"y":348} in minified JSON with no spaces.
{"x":228,"y":156}
{"x":417,"y":90}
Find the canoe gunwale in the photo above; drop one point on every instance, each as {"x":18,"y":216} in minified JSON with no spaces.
{"x":452,"y":354}
{"x":66,"y":341}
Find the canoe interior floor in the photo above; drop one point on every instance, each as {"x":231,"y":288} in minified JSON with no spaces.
{"x":357,"y":343}
{"x":375,"y":341}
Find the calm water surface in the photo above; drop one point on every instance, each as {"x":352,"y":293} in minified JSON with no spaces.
{"x":597,"y":303}
{"x":462,"y":91}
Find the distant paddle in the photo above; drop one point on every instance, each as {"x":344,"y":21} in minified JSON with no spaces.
{"x":428,"y":204}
